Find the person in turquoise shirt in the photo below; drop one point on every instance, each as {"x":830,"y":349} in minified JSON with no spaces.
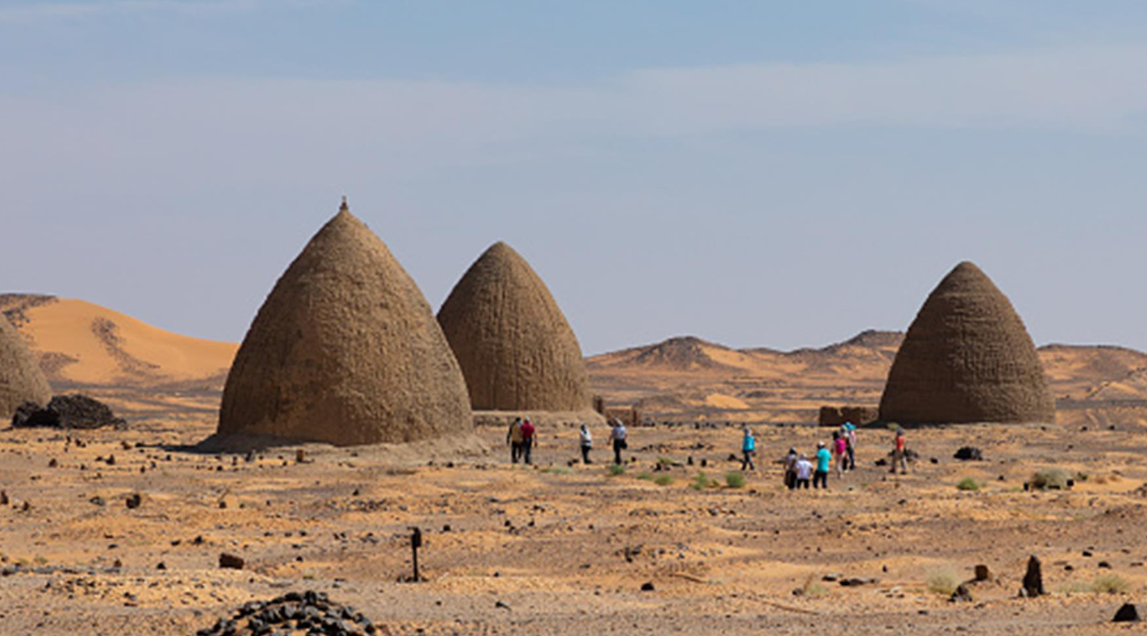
{"x":748,"y":447}
{"x":823,"y":461}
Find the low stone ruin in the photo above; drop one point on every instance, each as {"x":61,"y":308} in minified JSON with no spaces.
{"x":837,"y":415}
{"x":67,"y":411}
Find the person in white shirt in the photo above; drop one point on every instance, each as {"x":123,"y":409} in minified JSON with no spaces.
{"x":804,"y":472}
{"x":617,"y":434}
{"x":586,"y":440}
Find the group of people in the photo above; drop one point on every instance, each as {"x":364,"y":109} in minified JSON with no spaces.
{"x":522,"y":437}
{"x":800,"y":470}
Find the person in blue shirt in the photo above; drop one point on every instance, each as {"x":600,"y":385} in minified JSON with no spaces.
{"x":823,"y":462}
{"x":748,"y":447}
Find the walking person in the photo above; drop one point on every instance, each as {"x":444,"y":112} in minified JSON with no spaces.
{"x":617,"y":435}
{"x":899,"y":453}
{"x":802,"y":469}
{"x":586,"y":440}
{"x":840,"y":453}
{"x":823,"y":462}
{"x":748,"y":447}
{"x":528,"y":439}
{"x":514,"y":439}
{"x":850,"y":437}
{"x":791,"y":469}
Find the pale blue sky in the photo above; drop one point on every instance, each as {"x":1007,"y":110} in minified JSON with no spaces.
{"x":755,"y":173}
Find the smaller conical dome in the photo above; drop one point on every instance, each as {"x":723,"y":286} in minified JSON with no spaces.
{"x":967,"y":358}
{"x":345,"y":350}
{"x":21,"y":379}
{"x":512,"y":341}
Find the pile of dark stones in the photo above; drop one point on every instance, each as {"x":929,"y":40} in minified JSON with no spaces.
{"x":67,"y":411}
{"x":306,"y":613}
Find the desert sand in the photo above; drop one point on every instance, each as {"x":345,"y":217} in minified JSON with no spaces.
{"x":561,"y":549}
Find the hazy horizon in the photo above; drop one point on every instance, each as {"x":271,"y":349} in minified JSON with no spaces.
{"x":770,"y":174}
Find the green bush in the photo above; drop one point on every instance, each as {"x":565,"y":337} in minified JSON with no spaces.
{"x":734,"y":479}
{"x":968,"y":483}
{"x":702,"y":481}
{"x":1050,"y":479}
{"x":616,"y":470}
{"x":663,"y":480}
{"x":645,"y":477}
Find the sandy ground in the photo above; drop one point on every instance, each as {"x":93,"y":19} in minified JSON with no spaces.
{"x":553,"y":549}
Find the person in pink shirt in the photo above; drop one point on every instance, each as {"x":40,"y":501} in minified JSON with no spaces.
{"x":839,"y":452}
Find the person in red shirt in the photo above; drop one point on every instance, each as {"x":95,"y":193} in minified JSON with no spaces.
{"x":528,"y":435}
{"x":899,"y":453}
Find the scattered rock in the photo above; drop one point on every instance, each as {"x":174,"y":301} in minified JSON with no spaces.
{"x":1033,"y":579}
{"x":983,"y":573}
{"x":647,"y":586}
{"x":97,"y":500}
{"x":857,"y":581}
{"x":133,"y":500}
{"x":1127,"y":614}
{"x":969,"y":453}
{"x":231,"y":562}
{"x":961,"y":595}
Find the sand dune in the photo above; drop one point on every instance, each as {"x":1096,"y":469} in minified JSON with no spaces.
{"x":82,"y":343}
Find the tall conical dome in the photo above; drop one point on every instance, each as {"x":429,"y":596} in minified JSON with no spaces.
{"x":967,"y":358}
{"x":345,"y":350}
{"x":515,"y":347}
{"x":21,"y":379}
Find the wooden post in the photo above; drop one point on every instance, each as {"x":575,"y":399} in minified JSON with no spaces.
{"x":415,"y":543}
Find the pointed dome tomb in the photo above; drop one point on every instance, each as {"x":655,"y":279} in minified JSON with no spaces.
{"x":345,"y":350}
{"x":21,"y":379}
{"x":967,"y":358}
{"x":512,"y":341}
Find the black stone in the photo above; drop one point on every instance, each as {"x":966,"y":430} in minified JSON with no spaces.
{"x":1127,"y":614}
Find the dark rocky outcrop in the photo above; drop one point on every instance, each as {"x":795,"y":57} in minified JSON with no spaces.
{"x":67,"y":411}
{"x":306,"y":612}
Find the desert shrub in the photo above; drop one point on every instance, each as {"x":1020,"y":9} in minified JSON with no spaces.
{"x":1050,"y":478}
{"x":968,"y":483}
{"x":702,"y":481}
{"x":663,"y":480}
{"x":664,"y":461}
{"x":1109,"y":584}
{"x":942,"y":581}
{"x":645,"y":477}
{"x":616,"y":470}
{"x":815,"y":589}
{"x":734,"y":479}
